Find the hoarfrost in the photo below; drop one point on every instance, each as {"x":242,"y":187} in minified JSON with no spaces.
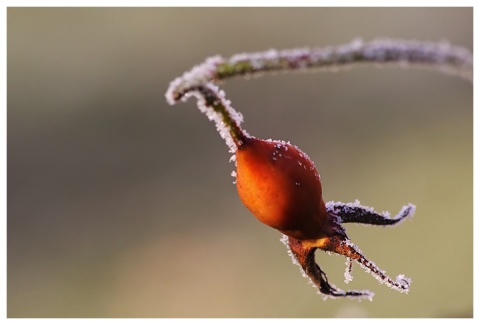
{"x":348,"y":270}
{"x":405,"y":281}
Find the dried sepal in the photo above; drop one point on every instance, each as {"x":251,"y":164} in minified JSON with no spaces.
{"x":304,"y":256}
{"x":356,"y":213}
{"x":303,"y":251}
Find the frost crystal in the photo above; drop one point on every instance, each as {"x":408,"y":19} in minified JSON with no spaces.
{"x":348,"y":271}
{"x":406,"y":282}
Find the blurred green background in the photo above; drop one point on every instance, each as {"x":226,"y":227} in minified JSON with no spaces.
{"x":122,"y":206}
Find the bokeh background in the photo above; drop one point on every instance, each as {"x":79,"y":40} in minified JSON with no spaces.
{"x":122,"y":206}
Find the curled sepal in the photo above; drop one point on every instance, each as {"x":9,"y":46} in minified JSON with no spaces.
{"x":356,"y":213}
{"x":343,"y":246}
{"x":304,"y":256}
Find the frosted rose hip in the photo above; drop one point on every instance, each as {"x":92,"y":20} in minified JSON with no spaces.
{"x":280,"y":185}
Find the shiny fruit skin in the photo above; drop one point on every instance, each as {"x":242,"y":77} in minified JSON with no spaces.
{"x":280,"y":185}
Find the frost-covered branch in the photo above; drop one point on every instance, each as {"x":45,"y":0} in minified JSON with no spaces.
{"x":440,"y":56}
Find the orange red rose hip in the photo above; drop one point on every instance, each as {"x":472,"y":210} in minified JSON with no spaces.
{"x":281,"y":187}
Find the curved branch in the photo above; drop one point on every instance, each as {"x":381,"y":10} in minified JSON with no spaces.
{"x":439,"y":56}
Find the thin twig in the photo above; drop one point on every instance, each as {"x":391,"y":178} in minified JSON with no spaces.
{"x":440,"y":56}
